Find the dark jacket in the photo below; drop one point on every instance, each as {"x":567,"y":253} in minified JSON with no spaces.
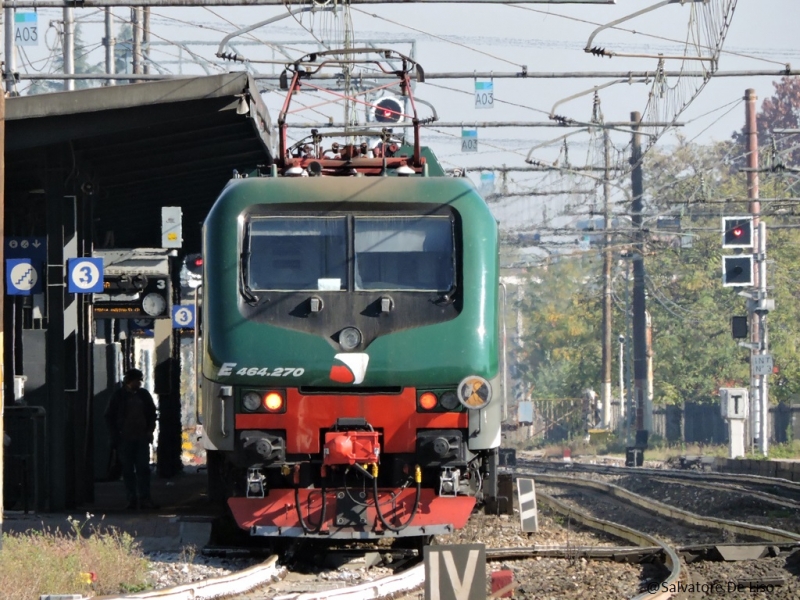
{"x":117,"y":412}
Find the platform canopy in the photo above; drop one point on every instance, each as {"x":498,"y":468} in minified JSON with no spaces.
{"x":135,"y":148}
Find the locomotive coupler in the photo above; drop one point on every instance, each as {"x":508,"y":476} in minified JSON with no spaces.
{"x":448,"y":482}
{"x":255,"y":483}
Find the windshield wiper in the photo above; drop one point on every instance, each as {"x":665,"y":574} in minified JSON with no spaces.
{"x":249,"y":296}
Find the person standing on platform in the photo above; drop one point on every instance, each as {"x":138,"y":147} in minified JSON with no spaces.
{"x":131,"y":419}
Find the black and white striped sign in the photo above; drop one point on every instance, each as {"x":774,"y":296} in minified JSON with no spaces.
{"x":528,"y":515}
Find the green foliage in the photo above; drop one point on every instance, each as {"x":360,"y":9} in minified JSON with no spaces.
{"x":779,"y":111}
{"x":95,"y":562}
{"x":123,"y":50}
{"x":787,"y":450}
{"x":562,"y":329}
{"x":694,"y":353}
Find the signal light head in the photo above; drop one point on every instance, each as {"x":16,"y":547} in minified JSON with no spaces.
{"x":737,"y":232}
{"x":737,"y":271}
{"x":388,"y":110}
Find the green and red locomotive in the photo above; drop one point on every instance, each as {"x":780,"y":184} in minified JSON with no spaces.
{"x":350,"y":345}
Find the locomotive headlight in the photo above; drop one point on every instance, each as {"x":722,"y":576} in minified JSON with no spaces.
{"x":349,"y":338}
{"x":427,"y":400}
{"x":251,"y":401}
{"x":448,"y":401}
{"x":273,"y":401}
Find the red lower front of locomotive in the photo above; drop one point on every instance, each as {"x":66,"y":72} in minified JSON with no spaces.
{"x":360,"y":466}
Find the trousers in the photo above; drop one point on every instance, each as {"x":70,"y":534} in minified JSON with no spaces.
{"x":134,"y":456}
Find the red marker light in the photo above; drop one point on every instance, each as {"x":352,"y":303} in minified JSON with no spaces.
{"x":198,"y":262}
{"x":387,"y":113}
{"x":737,"y":232}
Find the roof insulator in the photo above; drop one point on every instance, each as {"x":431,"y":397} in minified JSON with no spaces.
{"x":295,"y":172}
{"x":405,"y":170}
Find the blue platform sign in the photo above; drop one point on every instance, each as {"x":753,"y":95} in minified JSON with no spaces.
{"x":22,"y":277}
{"x":33,"y":248}
{"x":85,"y":275}
{"x":26,"y":247}
{"x":183,"y":317}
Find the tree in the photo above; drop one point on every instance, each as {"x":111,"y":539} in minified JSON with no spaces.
{"x":82,"y":65}
{"x":123,"y":50}
{"x":694,"y":353}
{"x":780,"y":111}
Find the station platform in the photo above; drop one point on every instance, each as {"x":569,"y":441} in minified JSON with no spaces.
{"x":184,"y":516}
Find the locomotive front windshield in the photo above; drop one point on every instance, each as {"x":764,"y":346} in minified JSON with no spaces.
{"x":413,"y":253}
{"x":404,"y":253}
{"x":290,"y":253}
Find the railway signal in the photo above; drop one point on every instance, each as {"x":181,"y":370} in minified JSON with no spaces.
{"x":388,"y":110}
{"x":737,"y":232}
{"x":739,"y":328}
{"x":737,"y":271}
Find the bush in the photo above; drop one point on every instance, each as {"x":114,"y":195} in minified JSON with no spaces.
{"x":97,"y":562}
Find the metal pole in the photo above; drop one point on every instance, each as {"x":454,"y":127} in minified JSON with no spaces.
{"x":621,"y":409}
{"x":648,"y":398}
{"x":639,"y":321}
{"x":629,"y":410}
{"x":69,"y":47}
{"x":645,"y":75}
{"x":146,"y":40}
{"x":2,"y":289}
{"x":605,"y":391}
{"x":185,"y":3}
{"x":762,"y":295}
{"x":110,"y":42}
{"x":10,"y":49}
{"x":471,"y":75}
{"x":136,"y":30}
{"x":461,"y":124}
{"x":751,"y":127}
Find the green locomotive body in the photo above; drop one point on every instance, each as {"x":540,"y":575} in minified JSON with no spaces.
{"x":408,"y":263}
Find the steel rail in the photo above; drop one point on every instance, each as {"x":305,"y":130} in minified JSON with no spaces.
{"x":386,"y":587}
{"x":566,"y":551}
{"x":785,"y":484}
{"x":733,"y":487}
{"x":235,"y":583}
{"x":671,"y":559}
{"x":758,"y":531}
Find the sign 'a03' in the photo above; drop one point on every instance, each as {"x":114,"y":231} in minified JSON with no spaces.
{"x":26,"y":29}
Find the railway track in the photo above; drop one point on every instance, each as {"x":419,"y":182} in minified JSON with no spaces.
{"x":760,"y":566}
{"x":767,"y":488}
{"x":682,"y":518}
{"x":566,"y":563}
{"x":738,"y":498}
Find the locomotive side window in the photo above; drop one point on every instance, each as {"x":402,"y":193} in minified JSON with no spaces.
{"x":298,"y":254}
{"x":404,"y":253}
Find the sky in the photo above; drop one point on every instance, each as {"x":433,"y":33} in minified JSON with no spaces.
{"x":502,"y":38}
